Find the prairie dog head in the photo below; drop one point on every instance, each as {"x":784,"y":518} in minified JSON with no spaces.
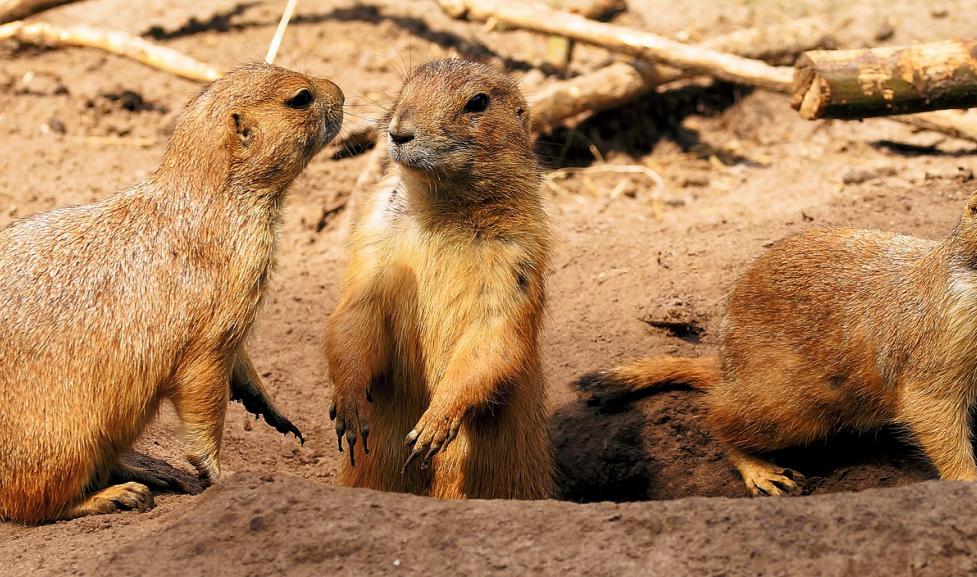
{"x":263,"y":122}
{"x":458,"y":120}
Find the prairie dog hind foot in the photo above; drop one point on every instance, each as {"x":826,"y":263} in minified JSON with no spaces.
{"x":114,"y":499}
{"x":763,"y":478}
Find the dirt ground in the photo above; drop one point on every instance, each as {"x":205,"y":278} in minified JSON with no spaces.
{"x":741,"y":170}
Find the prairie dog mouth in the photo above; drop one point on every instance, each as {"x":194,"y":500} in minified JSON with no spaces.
{"x":413,"y":155}
{"x":333,"y":123}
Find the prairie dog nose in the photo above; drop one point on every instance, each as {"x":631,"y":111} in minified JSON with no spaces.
{"x":401,"y":130}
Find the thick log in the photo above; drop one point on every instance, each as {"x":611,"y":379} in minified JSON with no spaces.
{"x":885,"y":81}
{"x":118,"y":43}
{"x":11,"y":10}
{"x":541,"y":18}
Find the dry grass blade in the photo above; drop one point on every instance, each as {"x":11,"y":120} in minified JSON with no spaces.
{"x":610,"y":168}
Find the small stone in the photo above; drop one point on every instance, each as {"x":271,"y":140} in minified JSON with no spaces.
{"x":864,"y":174}
{"x":56,"y":126}
{"x":885,"y":31}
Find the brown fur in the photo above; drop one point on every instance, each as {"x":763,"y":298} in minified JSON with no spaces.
{"x":841,"y":329}
{"x":111,"y":307}
{"x":438,"y":323}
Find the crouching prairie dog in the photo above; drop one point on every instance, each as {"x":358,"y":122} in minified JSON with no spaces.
{"x":111,"y":307}
{"x":839,"y":329}
{"x":433,"y":347}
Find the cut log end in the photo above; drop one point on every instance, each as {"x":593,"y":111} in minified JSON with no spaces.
{"x":849,"y":84}
{"x":808,"y":94}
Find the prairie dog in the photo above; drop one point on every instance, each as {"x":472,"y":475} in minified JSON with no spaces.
{"x":112,"y":307}
{"x":839,"y":329}
{"x":434,"y":341}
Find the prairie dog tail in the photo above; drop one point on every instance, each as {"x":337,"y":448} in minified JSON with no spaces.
{"x":644,"y":374}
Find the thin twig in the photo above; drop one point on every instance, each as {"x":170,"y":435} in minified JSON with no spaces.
{"x":280,"y":31}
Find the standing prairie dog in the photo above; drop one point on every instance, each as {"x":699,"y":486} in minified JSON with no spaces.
{"x":434,"y":342}
{"x":111,"y":307}
{"x":839,"y":329}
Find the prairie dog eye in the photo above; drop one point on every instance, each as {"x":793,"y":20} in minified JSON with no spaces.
{"x":302,"y":99}
{"x":477,"y":103}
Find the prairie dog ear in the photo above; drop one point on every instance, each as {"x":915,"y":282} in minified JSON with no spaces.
{"x":971,"y":210}
{"x":243,"y":128}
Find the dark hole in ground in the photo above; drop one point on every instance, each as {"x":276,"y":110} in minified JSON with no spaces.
{"x":133,"y":101}
{"x":689,"y":331}
{"x":658,"y":447}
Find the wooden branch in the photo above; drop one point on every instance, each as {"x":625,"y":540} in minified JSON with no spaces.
{"x":955,"y":123}
{"x":118,"y":43}
{"x":608,"y":87}
{"x":646,"y":45}
{"x":11,"y":10}
{"x":620,"y":83}
{"x":885,"y":81}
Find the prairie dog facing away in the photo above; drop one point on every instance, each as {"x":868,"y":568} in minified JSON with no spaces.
{"x":111,"y":307}
{"x":434,"y":341}
{"x":839,"y":329}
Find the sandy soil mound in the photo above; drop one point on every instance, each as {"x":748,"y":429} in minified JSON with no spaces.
{"x":272,"y":525}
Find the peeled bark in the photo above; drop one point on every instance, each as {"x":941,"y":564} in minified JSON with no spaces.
{"x":885,"y":81}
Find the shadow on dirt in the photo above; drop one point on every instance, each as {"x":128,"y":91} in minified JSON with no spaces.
{"x":637,"y":127}
{"x":191,"y":483}
{"x":651,"y":447}
{"x":219,"y":22}
{"x":600,"y":454}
